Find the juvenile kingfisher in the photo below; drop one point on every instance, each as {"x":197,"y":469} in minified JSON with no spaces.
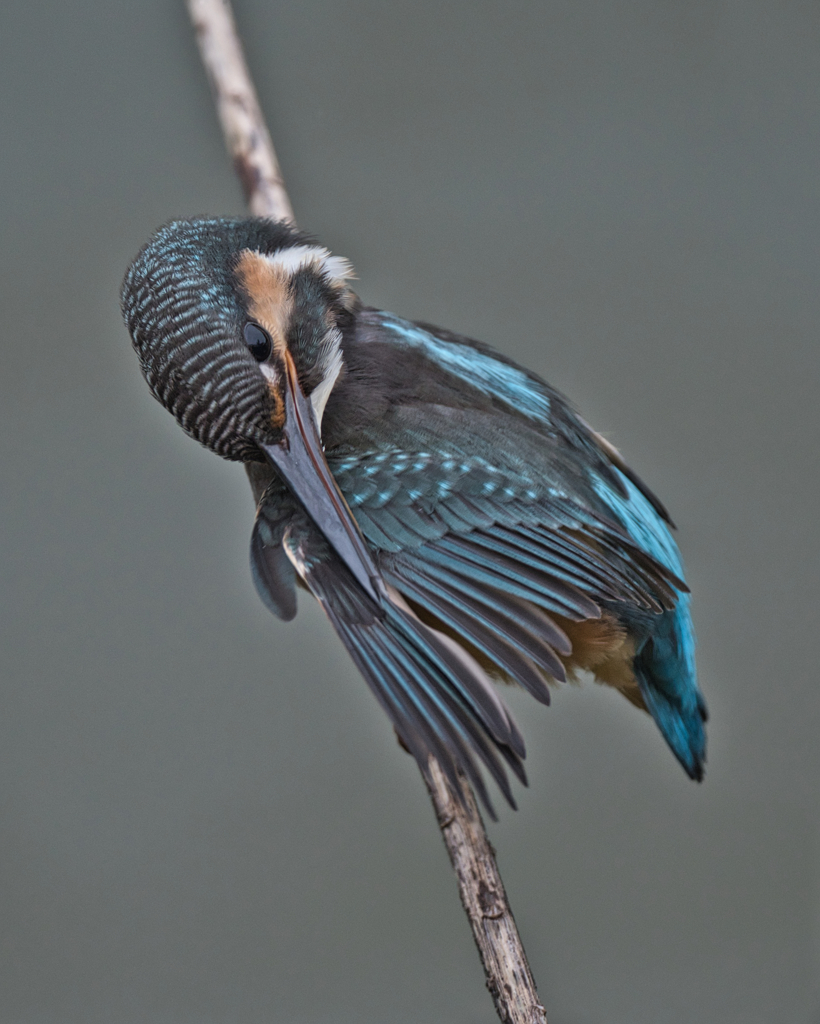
{"x":454,"y":516}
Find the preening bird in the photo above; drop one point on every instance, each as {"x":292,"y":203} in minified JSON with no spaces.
{"x":454,"y":516}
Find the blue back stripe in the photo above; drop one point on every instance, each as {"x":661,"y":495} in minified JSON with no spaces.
{"x":489,"y":375}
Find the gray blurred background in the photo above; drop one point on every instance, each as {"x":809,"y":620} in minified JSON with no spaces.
{"x":204,"y":816}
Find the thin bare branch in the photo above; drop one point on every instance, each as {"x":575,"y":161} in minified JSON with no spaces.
{"x":484,"y":898}
{"x":246,"y":134}
{"x":507,"y":972}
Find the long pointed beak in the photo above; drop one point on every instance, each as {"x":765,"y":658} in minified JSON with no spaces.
{"x":300,"y":460}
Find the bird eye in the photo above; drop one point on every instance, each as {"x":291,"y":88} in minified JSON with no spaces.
{"x":258,"y":341}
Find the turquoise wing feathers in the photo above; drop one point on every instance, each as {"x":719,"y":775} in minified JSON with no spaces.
{"x":504,"y":529}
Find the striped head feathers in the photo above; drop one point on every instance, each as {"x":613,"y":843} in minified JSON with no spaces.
{"x":223,"y":314}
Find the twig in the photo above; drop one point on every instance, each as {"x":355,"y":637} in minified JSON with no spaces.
{"x":246,"y":134}
{"x":484,"y":899}
{"x":507,"y":972}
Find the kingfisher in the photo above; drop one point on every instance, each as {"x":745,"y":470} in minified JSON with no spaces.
{"x":454,"y":516}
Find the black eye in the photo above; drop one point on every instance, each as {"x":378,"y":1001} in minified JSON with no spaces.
{"x":258,"y":341}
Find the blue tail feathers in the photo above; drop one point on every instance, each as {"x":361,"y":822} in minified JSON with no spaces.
{"x":664,"y":663}
{"x":665,"y":670}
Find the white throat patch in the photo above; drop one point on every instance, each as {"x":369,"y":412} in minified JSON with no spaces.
{"x":333,"y":367}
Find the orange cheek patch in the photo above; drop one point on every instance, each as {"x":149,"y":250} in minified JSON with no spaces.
{"x":267,"y":288}
{"x":277,"y":416}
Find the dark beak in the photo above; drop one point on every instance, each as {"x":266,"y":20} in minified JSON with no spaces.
{"x":300,"y":460}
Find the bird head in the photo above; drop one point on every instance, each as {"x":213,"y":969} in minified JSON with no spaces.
{"x":234,"y":322}
{"x":237,"y":325}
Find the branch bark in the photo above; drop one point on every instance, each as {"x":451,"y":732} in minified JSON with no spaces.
{"x":506,"y":970}
{"x":243,"y":124}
